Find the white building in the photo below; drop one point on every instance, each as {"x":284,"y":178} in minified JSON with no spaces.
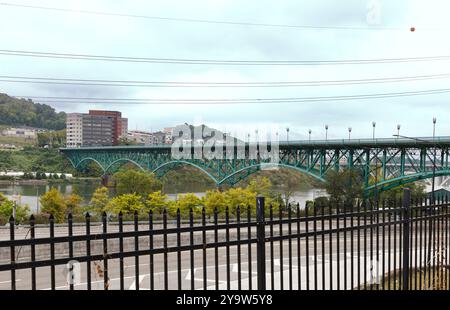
{"x":141,"y":137}
{"x":74,"y":133}
{"x":124,"y":128}
{"x":22,"y":132}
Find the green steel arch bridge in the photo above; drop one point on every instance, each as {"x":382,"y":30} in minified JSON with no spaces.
{"x":394,"y":161}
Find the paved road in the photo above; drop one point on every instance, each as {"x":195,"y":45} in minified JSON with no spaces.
{"x":281,"y":269}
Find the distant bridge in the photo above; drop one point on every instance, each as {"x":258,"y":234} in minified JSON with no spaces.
{"x":398,"y":160}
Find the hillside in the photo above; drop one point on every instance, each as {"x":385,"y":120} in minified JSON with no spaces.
{"x":22,"y":112}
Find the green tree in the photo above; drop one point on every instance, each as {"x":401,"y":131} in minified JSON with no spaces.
{"x":126,"y":203}
{"x":261,"y":186}
{"x":99,"y":200}
{"x":136,"y":182}
{"x":417,"y":192}
{"x":25,"y":112}
{"x":53,"y":202}
{"x":157,"y":202}
{"x":344,"y":186}
{"x":7,"y":209}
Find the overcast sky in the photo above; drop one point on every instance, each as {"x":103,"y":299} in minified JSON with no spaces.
{"x":62,"y":32}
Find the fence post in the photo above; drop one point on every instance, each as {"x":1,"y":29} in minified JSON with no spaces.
{"x":406,"y":223}
{"x":260,"y":244}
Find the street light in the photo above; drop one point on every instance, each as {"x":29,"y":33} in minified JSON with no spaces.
{"x":309,"y":132}
{"x":287,"y":134}
{"x":349,"y":132}
{"x":326,"y":132}
{"x":398,"y":129}
{"x":430,"y":229}
{"x":374,"y":124}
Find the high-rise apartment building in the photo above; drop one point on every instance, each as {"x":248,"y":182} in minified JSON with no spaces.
{"x":74,"y":130}
{"x":97,"y":128}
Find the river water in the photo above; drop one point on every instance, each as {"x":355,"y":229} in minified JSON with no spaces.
{"x":29,"y":194}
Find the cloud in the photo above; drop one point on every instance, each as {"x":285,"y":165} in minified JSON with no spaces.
{"x":39,"y":30}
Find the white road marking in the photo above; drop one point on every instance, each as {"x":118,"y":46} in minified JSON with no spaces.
{"x":133,"y":285}
{"x":9,"y":281}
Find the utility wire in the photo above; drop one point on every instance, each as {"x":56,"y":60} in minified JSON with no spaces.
{"x":192,"y":20}
{"x":234,"y":101}
{"x":183,"y":84}
{"x":54,"y":55}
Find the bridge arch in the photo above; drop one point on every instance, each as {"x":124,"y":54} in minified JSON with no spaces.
{"x":274,"y":165}
{"x":87,"y":159}
{"x":407,"y":179}
{"x":183,"y":162}
{"x":124,"y":160}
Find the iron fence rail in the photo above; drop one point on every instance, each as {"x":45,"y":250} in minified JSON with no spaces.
{"x":385,"y":246}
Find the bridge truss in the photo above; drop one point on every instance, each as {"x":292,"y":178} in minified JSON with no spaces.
{"x":383,"y":163}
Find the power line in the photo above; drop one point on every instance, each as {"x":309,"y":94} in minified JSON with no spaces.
{"x":54,"y":55}
{"x":203,"y":21}
{"x":183,"y":84}
{"x":235,"y":100}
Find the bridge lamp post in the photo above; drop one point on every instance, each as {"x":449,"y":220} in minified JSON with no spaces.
{"x":326,"y":132}
{"x":430,"y":230}
{"x":398,"y":129}
{"x":287,"y":134}
{"x":349,"y":132}
{"x":374,"y":124}
{"x":309,"y":132}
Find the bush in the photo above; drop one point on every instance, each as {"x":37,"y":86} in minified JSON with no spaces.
{"x":53,"y":203}
{"x":136,"y":182}
{"x":7,"y":209}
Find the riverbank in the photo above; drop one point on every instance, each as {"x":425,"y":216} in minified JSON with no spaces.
{"x":50,"y":181}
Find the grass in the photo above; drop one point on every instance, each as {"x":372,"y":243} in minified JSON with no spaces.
{"x":434,"y":278}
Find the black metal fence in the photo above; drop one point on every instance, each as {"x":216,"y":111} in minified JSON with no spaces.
{"x":390,"y":245}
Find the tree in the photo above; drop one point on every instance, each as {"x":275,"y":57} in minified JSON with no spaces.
{"x":7,"y":209}
{"x":243,"y":198}
{"x":53,"y":202}
{"x":215,"y":199}
{"x":73,"y":202}
{"x":261,"y":186}
{"x":126,"y":203}
{"x":395,"y":194}
{"x":23,"y":112}
{"x":99,"y":200}
{"x":53,"y":139}
{"x":185,"y":203}
{"x":136,"y":182}
{"x":344,"y":186}
{"x":157,"y":202}
{"x":126,"y":141}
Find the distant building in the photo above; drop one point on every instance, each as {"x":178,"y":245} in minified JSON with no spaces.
{"x":141,"y":137}
{"x":120,"y":125}
{"x":159,"y":137}
{"x":97,"y":128}
{"x":168,"y":131}
{"x":74,"y":130}
{"x":22,"y":132}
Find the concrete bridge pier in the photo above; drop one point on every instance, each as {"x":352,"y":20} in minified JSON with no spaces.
{"x":105,"y":180}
